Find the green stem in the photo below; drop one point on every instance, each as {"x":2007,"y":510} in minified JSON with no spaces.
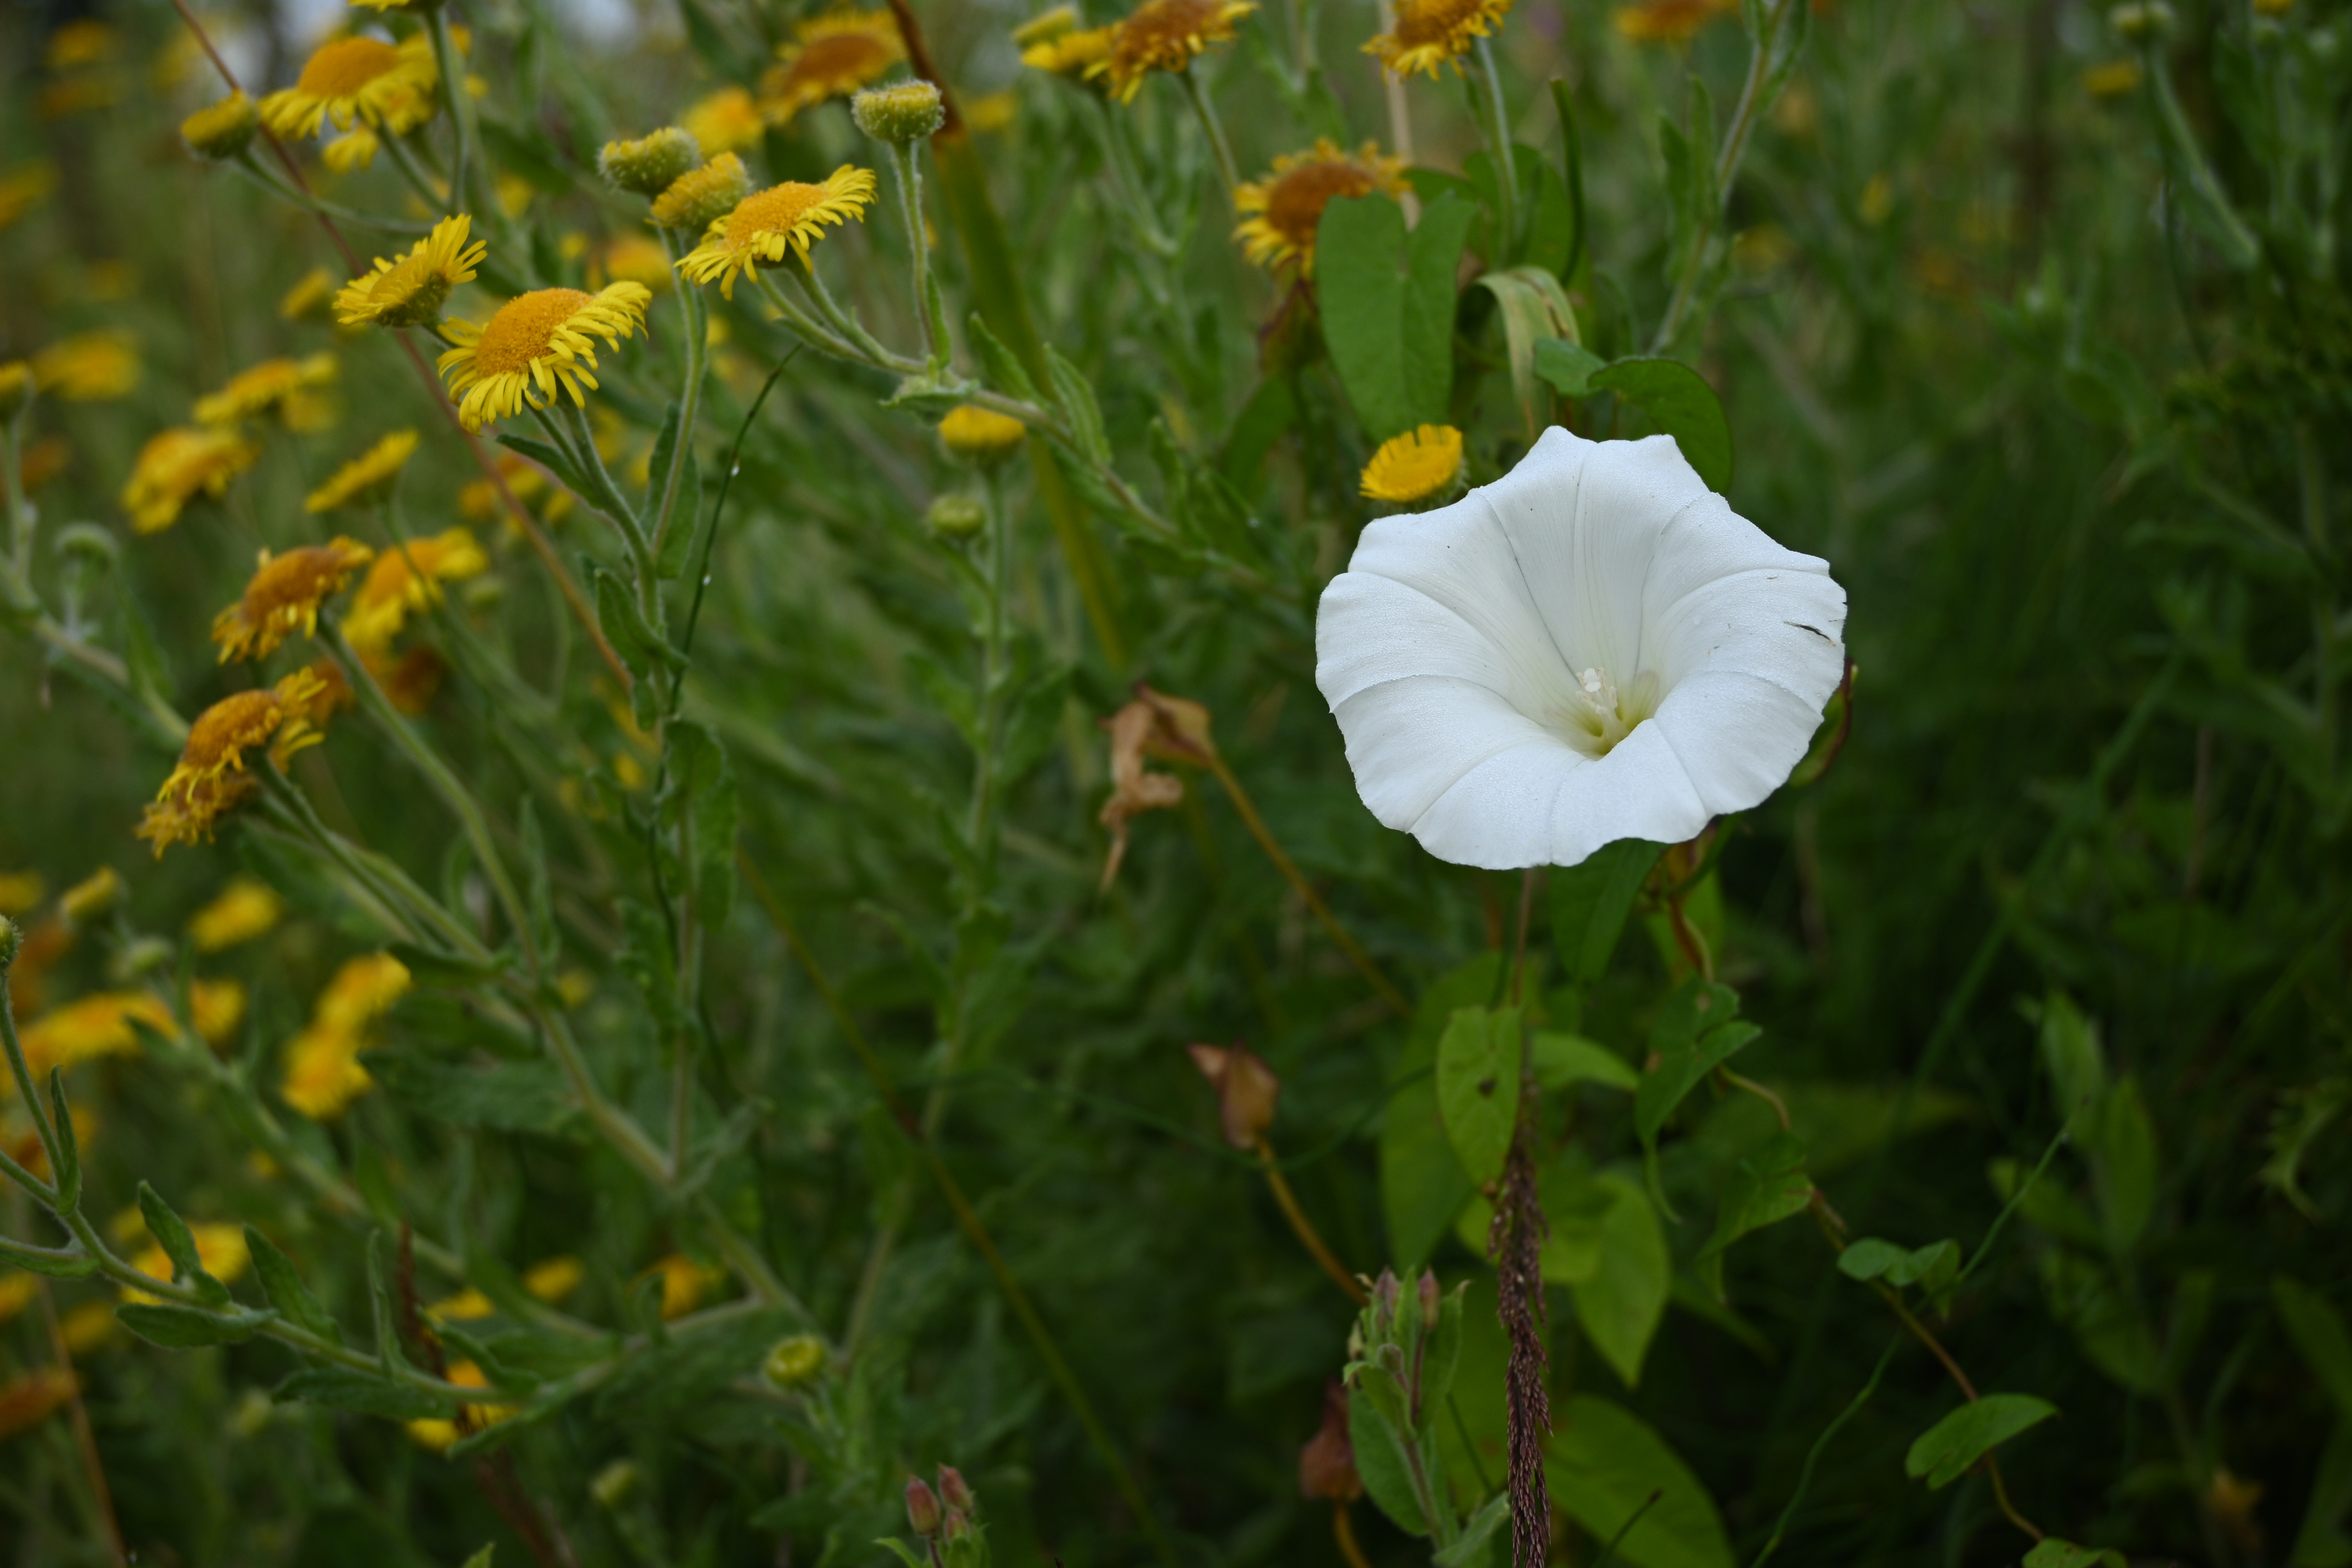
{"x":690,"y":397}
{"x":469,"y":162}
{"x":21,"y":518}
{"x":252,"y":169}
{"x":798,"y":321}
{"x":35,"y":1107}
{"x":569,"y":422}
{"x":908,"y":170}
{"x":403,"y":158}
{"x":1494,"y":116}
{"x":1228,"y":172}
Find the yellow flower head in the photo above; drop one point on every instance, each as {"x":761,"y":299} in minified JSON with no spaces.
{"x":992,"y":111}
{"x":727,"y":121}
{"x":638,"y":259}
{"x":440,"y":1436}
{"x":355,"y":149}
{"x":830,"y":57}
{"x":981,"y":436}
{"x":408,"y":577}
{"x":1414,"y":466}
{"x":92,"y":896}
{"x":1431,"y":33}
{"x":177,"y":464}
{"x":769,"y":225}
{"x":549,"y":1279}
{"x":362,"y":990}
{"x":322,"y":1075}
{"x":221,"y":130}
{"x":1076,"y":55}
{"x":1667,"y":21}
{"x":410,"y":292}
{"x":91,"y":368}
{"x":699,"y":197}
{"x":1165,"y":36}
{"x":211,"y":778}
{"x":215,"y":1007}
{"x":1047,"y":26}
{"x":358,"y":79}
{"x":371,"y":470}
{"x":408,"y":681}
{"x":20,"y":890}
{"x":683,"y":1284}
{"x":79,"y":44}
{"x":241,"y":912}
{"x":310,"y":298}
{"x":1281,"y":212}
{"x":221,"y":1248}
{"x":271,"y":385}
{"x":97,"y":1025}
{"x":535,"y":347}
{"x":283,"y":597}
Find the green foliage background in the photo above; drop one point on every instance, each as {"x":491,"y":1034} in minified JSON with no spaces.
{"x":2073,"y":438}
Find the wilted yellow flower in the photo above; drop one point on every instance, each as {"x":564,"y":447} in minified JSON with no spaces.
{"x":284,"y":596}
{"x":238,"y":913}
{"x":1668,"y":21}
{"x":683,"y":1284}
{"x":1414,"y":466}
{"x":21,"y":890}
{"x":26,"y":1402}
{"x":408,"y":577}
{"x":410,"y":292}
{"x":769,"y":225}
{"x":536,"y":347}
{"x":441,"y":1435}
{"x":981,"y":436}
{"x":358,"y":79}
{"x":1166,"y":35}
{"x":176,"y":465}
{"x":23,"y":188}
{"x":91,"y":368}
{"x":1282,"y":212}
{"x":1431,"y":33}
{"x":363,"y":476}
{"x":829,"y":56}
{"x":212,"y":765}
{"x":309,"y":299}
{"x":263,"y":388}
{"x":221,"y":1248}
{"x":727,"y":121}
{"x":92,"y":896}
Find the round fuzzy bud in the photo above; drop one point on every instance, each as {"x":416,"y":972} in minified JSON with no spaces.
{"x":616,"y":1483}
{"x":16,"y":389}
{"x":957,"y":517}
{"x":792,"y":1363}
{"x":981,"y":436}
{"x":10,"y":934}
{"x":700,"y":197}
{"x":650,"y":165}
{"x":141,"y":955}
{"x":902,"y":114}
{"x":89,"y":544}
{"x":922,"y":1507}
{"x":2141,"y":19}
{"x":222,"y":130}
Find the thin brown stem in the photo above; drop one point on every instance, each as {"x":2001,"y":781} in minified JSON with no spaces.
{"x":1344,"y":1533}
{"x":1304,"y":1228}
{"x":1779,"y":1107}
{"x":85,"y":1441}
{"x":2000,"y":1496}
{"x":1306,"y":890}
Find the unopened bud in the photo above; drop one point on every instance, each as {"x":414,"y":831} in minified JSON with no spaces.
{"x":16,"y":389}
{"x":922,"y":1507}
{"x":89,"y":543}
{"x":92,"y":896}
{"x":222,"y":130}
{"x":616,"y":1483}
{"x":1429,"y":1296}
{"x":700,"y":197}
{"x":650,"y":165}
{"x":144,"y":956}
{"x":11,"y":935}
{"x":901,"y":114}
{"x":2141,"y":19}
{"x":1327,"y":1465}
{"x":1247,"y":1091}
{"x":981,"y":436}
{"x":956,"y":516}
{"x":793,"y":1362}
{"x":956,"y":1492}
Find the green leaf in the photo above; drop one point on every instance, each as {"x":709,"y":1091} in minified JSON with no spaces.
{"x":56,"y":1263}
{"x":1946,"y":1451}
{"x":1469,"y":1548}
{"x":1423,"y":1185}
{"x":2052,"y":1553}
{"x":901,"y":1550}
{"x":1679,"y":401}
{"x":685,"y":513}
{"x":177,"y":1328}
{"x":1567,"y":366}
{"x":1577,"y":1205}
{"x":67,"y":1176}
{"x":1360,"y":293}
{"x":1002,"y":368}
{"x":1534,"y":308}
{"x":1084,"y":414}
{"x":1380,"y":1459}
{"x":1425,"y":327}
{"x":1271,"y":409}
{"x":641,"y":647}
{"x":2322,"y":1542}
{"x":449,"y":971}
{"x":1619,"y":1308}
{"x":1564,"y":1059}
{"x":539,"y":892}
{"x":283,"y":1289}
{"x":548,"y":458}
{"x":1685,"y":1055}
{"x":2318,"y":1331}
{"x":1478,"y":1086}
{"x":171,"y":1233}
{"x":1606,"y":1464}
{"x":481,"y":1559}
{"x":2069,"y":1051}
{"x":510,"y":1096}
{"x":1591,"y":900}
{"x":1932,"y":1267}
{"x":364,"y":1393}
{"x":1766,"y":1188}
{"x":2123,"y":1141}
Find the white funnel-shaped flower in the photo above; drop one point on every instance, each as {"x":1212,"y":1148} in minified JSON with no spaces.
{"x":1592,"y":648}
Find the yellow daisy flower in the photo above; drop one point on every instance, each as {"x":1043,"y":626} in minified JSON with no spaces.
{"x":1069,"y":53}
{"x":1165,"y":36}
{"x":699,"y":197}
{"x":408,"y":681}
{"x":240,"y":912}
{"x":284,"y":596}
{"x":362,"y":990}
{"x":271,"y":385}
{"x":309,"y":299}
{"x":1282,"y":212}
{"x":440,"y":1436}
{"x":727,"y":121}
{"x":981,"y":436}
{"x":410,"y":292}
{"x":405,"y":578}
{"x":549,"y":1279}
{"x":371,"y":470}
{"x":322,"y":1075}
{"x":211,"y":779}
{"x":536,"y":347}
{"x":766,"y":226}
{"x":1431,"y":33}
{"x":89,"y":368}
{"x":638,"y":259}
{"x":683,"y":1284}
{"x":358,"y":81}
{"x":215,"y":1007}
{"x":1414,"y":466}
{"x":91,"y":897}
{"x":356,"y":150}
{"x":100,"y":1024}
{"x":177,"y":464}
{"x":221,"y":130}
{"x":830,"y":57}
{"x":1667,"y":21}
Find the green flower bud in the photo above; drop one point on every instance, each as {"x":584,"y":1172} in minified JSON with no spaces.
{"x":793,"y":1362}
{"x":616,"y":1483}
{"x":922,"y":1507}
{"x":89,"y":544}
{"x":9,"y":938}
{"x":2141,"y":19}
{"x":700,"y":197}
{"x":650,"y":165}
{"x":902,"y":114}
{"x":222,"y":130}
{"x":957,"y":517}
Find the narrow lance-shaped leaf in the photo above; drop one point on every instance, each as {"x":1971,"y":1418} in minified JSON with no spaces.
{"x":1949,"y":1450}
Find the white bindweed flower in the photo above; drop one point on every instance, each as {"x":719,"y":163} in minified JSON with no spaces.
{"x":1592,"y":648}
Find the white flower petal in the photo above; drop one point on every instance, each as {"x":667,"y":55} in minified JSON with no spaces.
{"x":1410,"y":740}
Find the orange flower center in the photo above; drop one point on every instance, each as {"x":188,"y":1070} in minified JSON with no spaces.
{"x":1294,"y":207}
{"x":297,"y":577}
{"x":1165,"y":29}
{"x":524,"y":328}
{"x":1420,"y":22}
{"x":775,"y":210}
{"x":340,"y":69}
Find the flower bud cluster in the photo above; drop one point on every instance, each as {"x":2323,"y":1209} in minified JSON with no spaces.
{"x":948,"y":1521}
